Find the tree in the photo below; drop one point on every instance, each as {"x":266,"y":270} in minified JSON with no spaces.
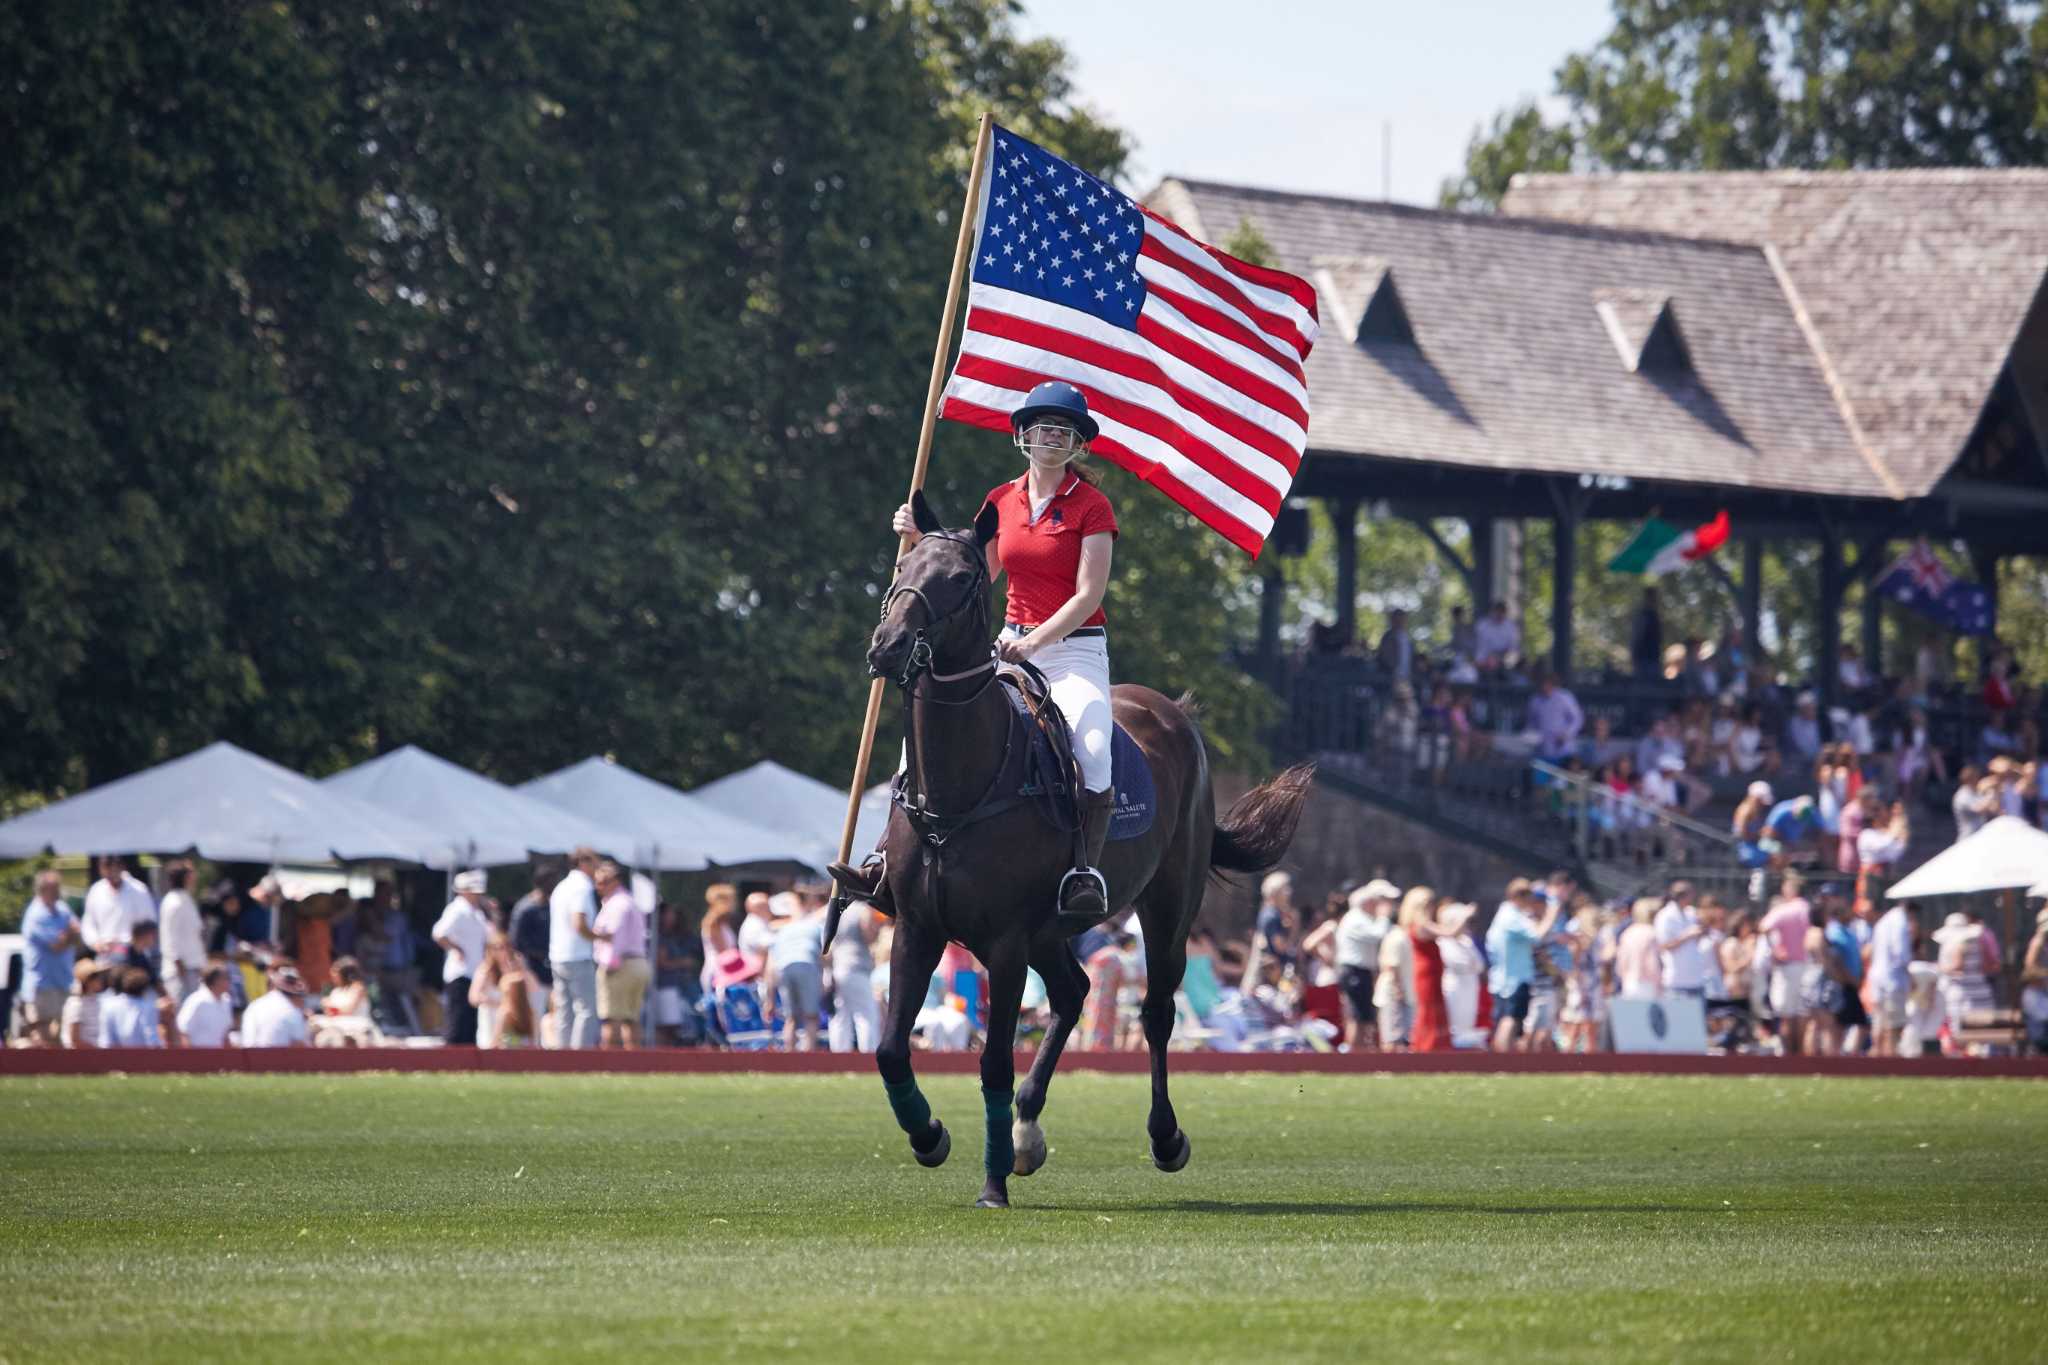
{"x":158,"y":481}
{"x":1761,"y":84}
{"x":517,"y":380}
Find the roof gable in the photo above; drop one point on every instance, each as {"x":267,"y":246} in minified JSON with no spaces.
{"x":1644,"y":332}
{"x":1515,"y":366}
{"x":1914,"y":282}
{"x":1363,"y":299}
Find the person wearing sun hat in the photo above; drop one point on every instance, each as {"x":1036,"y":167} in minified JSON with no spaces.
{"x":277,"y":1018}
{"x":1968,"y":957}
{"x":79,"y":1025}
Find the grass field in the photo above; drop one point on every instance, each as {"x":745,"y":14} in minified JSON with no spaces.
{"x":769,"y":1218}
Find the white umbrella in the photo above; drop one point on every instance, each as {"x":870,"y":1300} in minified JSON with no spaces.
{"x":804,"y":809}
{"x":481,"y":823}
{"x":226,"y":804}
{"x":2005,"y":854}
{"x":671,"y":831}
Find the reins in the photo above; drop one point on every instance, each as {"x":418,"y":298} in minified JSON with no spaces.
{"x":919,"y":681}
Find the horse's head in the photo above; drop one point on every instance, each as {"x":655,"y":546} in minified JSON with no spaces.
{"x":937,"y":609}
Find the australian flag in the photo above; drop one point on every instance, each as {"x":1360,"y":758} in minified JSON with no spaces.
{"x":1920,"y":581}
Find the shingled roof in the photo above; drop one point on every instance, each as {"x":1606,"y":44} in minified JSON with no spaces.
{"x":1915,"y":282}
{"x":1515,"y":362}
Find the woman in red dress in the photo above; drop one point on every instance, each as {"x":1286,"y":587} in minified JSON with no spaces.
{"x":1432,"y":1031}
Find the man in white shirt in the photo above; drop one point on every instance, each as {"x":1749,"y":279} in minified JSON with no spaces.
{"x":277,"y":1018}
{"x":184,"y":937}
{"x":1891,"y":979}
{"x":460,"y":933}
{"x":572,"y":913}
{"x":1679,"y":939}
{"x":113,"y":907}
{"x":1659,"y":786}
{"x":1496,"y":638}
{"x":208,"y":1014}
{"x":1555,"y":716}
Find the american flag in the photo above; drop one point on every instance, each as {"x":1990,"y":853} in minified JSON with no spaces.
{"x":1191,"y":359}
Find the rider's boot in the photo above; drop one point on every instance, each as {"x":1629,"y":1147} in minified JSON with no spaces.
{"x":1083,"y":891}
{"x":868,"y":882}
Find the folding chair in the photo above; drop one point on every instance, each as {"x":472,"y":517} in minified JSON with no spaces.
{"x":737,"y":1008}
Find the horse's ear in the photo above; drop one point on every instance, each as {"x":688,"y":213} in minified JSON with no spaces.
{"x":921,"y":513}
{"x":985,"y":523}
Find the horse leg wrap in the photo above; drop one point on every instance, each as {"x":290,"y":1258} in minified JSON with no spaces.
{"x":913,"y":1115}
{"x":997,"y":1153}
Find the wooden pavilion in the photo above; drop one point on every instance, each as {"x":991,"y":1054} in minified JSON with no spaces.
{"x":1851,"y":357}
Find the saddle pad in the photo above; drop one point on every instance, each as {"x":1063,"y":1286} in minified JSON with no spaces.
{"x":1131,"y":778}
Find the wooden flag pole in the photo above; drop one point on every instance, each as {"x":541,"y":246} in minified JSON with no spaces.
{"x":962,"y":252}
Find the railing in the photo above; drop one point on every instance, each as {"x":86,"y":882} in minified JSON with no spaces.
{"x":1631,"y":847}
{"x":1336,"y":703}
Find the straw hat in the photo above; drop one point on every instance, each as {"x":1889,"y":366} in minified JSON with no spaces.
{"x":1956,"y":926}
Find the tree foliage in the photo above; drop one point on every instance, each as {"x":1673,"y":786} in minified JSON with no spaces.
{"x":1759,"y":84}
{"x":515,"y":379}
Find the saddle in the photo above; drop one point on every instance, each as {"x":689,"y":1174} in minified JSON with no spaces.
{"x":1039,"y":768}
{"x":1055,"y":772}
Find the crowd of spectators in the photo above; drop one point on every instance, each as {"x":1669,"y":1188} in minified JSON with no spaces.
{"x":575,"y":963}
{"x":1827,"y":974}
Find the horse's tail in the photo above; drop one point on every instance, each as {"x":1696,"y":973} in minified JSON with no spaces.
{"x":1254,"y":836}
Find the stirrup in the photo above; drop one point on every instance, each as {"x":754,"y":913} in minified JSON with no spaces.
{"x":866,"y":880}
{"x":1088,"y":874}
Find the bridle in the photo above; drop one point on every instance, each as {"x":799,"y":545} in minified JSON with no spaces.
{"x":917,"y":662}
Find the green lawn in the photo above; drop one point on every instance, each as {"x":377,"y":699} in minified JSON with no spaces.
{"x":1497,"y":1219}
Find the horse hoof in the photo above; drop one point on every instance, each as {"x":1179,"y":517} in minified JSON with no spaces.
{"x":941,"y":1149}
{"x":992,"y":1199}
{"x":1176,"y":1161}
{"x":1029,"y":1141}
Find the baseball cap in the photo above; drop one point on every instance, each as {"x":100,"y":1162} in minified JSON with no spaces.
{"x":472,"y":880}
{"x":1760,"y":790}
{"x":1380,"y":889}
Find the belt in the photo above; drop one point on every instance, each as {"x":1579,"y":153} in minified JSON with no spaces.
{"x":1078,"y":633}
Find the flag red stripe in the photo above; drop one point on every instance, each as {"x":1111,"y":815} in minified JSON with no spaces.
{"x":1200,"y":453}
{"x":1178,"y":345}
{"x":1283,"y":307}
{"x":1295,"y":287}
{"x":1029,"y":333}
{"x":1272,"y":324}
{"x":1204,"y":511}
{"x":1223,"y":325}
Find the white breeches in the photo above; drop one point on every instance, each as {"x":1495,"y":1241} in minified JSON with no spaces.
{"x":1078,"y":672}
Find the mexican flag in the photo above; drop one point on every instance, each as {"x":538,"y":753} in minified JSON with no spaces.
{"x":1659,"y":547}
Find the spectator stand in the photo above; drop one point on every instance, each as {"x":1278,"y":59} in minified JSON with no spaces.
{"x":1462,"y":378}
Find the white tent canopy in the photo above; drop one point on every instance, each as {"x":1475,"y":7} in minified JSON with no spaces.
{"x":226,"y":804}
{"x":480,"y":822}
{"x":803,"y":808}
{"x":671,"y":832}
{"x":2007,"y":853}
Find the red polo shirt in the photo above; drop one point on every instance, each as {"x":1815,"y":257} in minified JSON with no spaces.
{"x":1043,"y":558}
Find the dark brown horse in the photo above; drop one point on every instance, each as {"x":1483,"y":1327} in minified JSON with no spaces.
{"x":992,"y":884}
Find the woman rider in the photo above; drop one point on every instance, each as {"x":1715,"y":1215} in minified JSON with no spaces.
{"x":1055,"y":530}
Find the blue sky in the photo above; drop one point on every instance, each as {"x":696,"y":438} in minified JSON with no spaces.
{"x":1294,"y":94}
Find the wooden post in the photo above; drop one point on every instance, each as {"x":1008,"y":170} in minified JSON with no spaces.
{"x":1482,"y":586}
{"x":962,"y":252}
{"x":1564,"y":541}
{"x":1869,"y":564}
{"x":1272,"y":596}
{"x":1344,"y":519}
{"x":1752,"y":595}
{"x":1827,"y":662}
